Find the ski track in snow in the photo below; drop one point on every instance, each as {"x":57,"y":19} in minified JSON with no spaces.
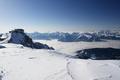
{"x":21,"y":63}
{"x":57,"y":75}
{"x":31,"y":55}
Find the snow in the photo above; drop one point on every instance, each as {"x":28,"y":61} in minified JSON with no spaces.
{"x":7,"y":38}
{"x":21,"y":63}
{"x":3,"y":36}
{"x":31,"y":64}
{"x":94,"y":69}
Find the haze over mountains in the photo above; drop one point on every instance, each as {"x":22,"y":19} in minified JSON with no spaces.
{"x":76,"y":36}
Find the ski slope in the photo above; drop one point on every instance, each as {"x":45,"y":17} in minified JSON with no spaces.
{"x":21,"y":63}
{"x":18,"y":63}
{"x":94,"y":69}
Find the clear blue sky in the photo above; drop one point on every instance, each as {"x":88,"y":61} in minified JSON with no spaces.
{"x":59,"y":15}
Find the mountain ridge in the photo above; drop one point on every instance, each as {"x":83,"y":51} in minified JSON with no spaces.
{"x":76,"y":36}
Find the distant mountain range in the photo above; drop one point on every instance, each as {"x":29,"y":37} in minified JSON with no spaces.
{"x":75,"y":36}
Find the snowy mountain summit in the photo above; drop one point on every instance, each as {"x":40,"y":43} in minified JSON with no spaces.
{"x":18,"y":36}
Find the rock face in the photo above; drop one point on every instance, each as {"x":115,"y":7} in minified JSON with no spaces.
{"x":99,"y":53}
{"x":19,"y":37}
{"x":2,"y":46}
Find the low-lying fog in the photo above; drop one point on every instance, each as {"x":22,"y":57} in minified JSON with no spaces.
{"x":71,"y":47}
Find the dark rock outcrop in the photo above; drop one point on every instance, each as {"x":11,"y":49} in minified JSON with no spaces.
{"x":99,"y":54}
{"x":19,"y":37}
{"x":2,"y":46}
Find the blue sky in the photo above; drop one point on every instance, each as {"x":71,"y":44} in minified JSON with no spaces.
{"x":59,"y":15}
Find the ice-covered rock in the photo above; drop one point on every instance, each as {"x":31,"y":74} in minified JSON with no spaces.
{"x":2,"y":46}
{"x":18,"y":36}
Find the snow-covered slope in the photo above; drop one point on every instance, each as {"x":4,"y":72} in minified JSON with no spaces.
{"x":21,"y":63}
{"x":94,"y":69}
